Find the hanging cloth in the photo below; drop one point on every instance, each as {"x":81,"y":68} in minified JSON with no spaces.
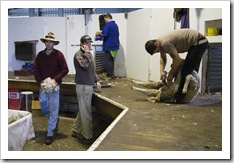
{"x":182,"y":15}
{"x":177,"y":14}
{"x":114,"y":53}
{"x":184,"y":21}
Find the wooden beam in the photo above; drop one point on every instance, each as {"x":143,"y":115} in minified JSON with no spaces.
{"x":24,"y":85}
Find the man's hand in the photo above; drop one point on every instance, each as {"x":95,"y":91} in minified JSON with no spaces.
{"x":163,"y":75}
{"x":169,"y":79}
{"x":99,"y":85}
{"x":54,"y":83}
{"x":86,"y":48}
{"x":99,"y":34}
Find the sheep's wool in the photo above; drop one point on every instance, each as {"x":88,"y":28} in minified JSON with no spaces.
{"x":48,"y":86}
{"x":192,"y":90}
{"x":157,"y":91}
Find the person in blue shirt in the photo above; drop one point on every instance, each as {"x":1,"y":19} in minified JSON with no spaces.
{"x":110,"y":34}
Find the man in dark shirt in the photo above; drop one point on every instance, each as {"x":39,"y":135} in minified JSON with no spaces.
{"x":50,"y":67}
{"x":85,"y":79}
{"x":110,"y":34}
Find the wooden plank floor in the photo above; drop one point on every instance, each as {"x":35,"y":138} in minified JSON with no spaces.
{"x":163,"y":127}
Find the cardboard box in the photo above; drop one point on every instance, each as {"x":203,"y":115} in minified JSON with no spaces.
{"x":36,"y":108}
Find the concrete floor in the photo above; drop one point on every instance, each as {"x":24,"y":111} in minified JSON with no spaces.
{"x":146,"y":126}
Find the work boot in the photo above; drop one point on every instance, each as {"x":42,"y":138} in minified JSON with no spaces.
{"x":56,"y":128}
{"x":77,"y":135}
{"x":49,"y":140}
{"x":89,"y":141}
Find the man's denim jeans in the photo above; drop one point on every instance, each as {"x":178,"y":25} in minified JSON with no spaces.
{"x":50,"y":108}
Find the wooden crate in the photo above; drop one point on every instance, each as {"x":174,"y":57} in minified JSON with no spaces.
{"x":36,"y":108}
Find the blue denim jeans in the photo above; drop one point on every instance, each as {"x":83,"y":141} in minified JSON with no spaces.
{"x":50,"y":108}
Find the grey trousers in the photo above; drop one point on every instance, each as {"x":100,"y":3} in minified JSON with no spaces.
{"x":83,"y":122}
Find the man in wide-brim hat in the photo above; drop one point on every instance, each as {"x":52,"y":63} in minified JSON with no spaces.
{"x":50,"y":64}
{"x":50,"y":37}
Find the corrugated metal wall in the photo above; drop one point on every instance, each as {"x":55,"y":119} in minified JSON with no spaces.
{"x":18,"y":12}
{"x":61,"y":12}
{"x":100,"y":61}
{"x":114,"y":10}
{"x":214,"y":68}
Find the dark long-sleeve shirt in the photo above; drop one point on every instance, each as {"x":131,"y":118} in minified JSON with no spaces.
{"x":85,"y":69}
{"x":53,"y":65}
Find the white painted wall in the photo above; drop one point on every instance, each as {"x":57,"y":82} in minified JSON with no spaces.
{"x":120,"y":66}
{"x":198,"y":16}
{"x":76,"y":28}
{"x":146,"y":24}
{"x":160,"y":24}
{"x":57,"y":25}
{"x":137,"y":60}
{"x":68,"y":30}
{"x":139,"y":26}
{"x":22,"y":29}
{"x":93,"y":27}
{"x":33,"y":28}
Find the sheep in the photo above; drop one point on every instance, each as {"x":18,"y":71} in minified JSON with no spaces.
{"x":158,"y":91}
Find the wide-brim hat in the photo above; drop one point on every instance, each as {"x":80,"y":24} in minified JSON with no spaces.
{"x":50,"y":37}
